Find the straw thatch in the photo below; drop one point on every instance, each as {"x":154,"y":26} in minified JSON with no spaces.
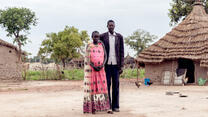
{"x":188,"y":40}
{"x":4,"y":43}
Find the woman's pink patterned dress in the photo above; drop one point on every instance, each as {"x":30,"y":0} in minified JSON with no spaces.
{"x":95,"y":84}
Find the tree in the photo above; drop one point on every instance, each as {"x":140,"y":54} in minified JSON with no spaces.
{"x":25,"y":57}
{"x":17,"y":22}
{"x":181,"y":8}
{"x":64,"y":45}
{"x":139,"y":40}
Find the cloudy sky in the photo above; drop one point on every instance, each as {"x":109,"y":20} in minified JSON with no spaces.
{"x":129,"y":15}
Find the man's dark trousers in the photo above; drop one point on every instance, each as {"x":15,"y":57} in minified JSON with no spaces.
{"x":112,"y":71}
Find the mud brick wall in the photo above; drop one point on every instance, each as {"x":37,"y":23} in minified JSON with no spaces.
{"x":200,"y":72}
{"x":9,"y":67}
{"x":154,"y":71}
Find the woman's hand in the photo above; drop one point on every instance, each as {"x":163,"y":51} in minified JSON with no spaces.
{"x":95,"y":68}
{"x":100,"y":67}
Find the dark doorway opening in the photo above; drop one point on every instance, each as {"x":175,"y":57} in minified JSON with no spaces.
{"x":189,"y":65}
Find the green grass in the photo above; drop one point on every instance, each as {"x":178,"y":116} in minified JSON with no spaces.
{"x":33,"y":75}
{"x":40,"y":75}
{"x":129,"y":73}
{"x":141,"y":73}
{"x":132,"y":73}
{"x":76,"y":74}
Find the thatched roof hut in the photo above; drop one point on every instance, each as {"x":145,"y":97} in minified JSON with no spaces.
{"x":187,"y":41}
{"x":9,"y":65}
{"x":76,"y":63}
{"x":4,"y":43}
{"x":129,"y":62}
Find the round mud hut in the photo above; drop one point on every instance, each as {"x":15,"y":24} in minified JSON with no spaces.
{"x":10,"y":69}
{"x":181,"y":56}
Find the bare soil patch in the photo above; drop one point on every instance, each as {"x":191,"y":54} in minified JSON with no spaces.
{"x":64,"y":99}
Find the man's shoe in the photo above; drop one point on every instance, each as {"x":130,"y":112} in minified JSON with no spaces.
{"x":116,"y":110}
{"x":110,"y":112}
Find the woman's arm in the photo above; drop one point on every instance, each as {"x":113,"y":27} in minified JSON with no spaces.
{"x":98,"y":68}
{"x":105,"y":56}
{"x":87,"y":55}
{"x":88,"y":61}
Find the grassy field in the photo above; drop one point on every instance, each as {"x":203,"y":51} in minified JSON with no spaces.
{"x":75,"y":74}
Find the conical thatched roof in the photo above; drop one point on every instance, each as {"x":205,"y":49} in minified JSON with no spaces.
{"x":187,"y":40}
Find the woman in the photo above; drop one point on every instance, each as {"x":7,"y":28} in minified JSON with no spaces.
{"x":95,"y":84}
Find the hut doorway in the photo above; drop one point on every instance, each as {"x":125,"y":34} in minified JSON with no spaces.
{"x":189,"y":66}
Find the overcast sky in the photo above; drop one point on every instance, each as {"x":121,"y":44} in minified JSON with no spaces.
{"x":90,"y":15}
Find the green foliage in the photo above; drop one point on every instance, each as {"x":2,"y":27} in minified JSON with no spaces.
{"x":141,"y":73}
{"x":64,"y":45}
{"x":129,"y":73}
{"x":181,"y":8}
{"x":17,"y":22}
{"x":33,"y":75}
{"x":132,"y":73}
{"x":75,"y":74}
{"x":202,"y":81}
{"x":42,"y":75}
{"x":139,"y":40}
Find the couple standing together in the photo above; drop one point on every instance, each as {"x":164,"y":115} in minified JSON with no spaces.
{"x":104,"y":60}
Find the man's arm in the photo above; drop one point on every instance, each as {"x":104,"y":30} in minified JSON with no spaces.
{"x":122,"y":51}
{"x":102,"y":38}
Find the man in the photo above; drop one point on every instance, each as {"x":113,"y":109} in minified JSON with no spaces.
{"x":115,"y":60}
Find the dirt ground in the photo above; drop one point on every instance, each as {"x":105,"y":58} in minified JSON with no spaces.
{"x":64,"y":99}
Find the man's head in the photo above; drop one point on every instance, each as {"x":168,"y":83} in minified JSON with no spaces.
{"x":111,"y":26}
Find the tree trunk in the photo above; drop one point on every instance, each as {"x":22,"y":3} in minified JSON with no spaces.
{"x":20,"y":50}
{"x":59,"y":72}
{"x":64,"y":64}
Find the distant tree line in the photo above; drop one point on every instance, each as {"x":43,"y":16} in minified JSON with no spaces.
{"x":38,"y":59}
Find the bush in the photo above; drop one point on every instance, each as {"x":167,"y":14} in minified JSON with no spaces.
{"x":75,"y":74}
{"x":132,"y":73}
{"x":141,"y":73}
